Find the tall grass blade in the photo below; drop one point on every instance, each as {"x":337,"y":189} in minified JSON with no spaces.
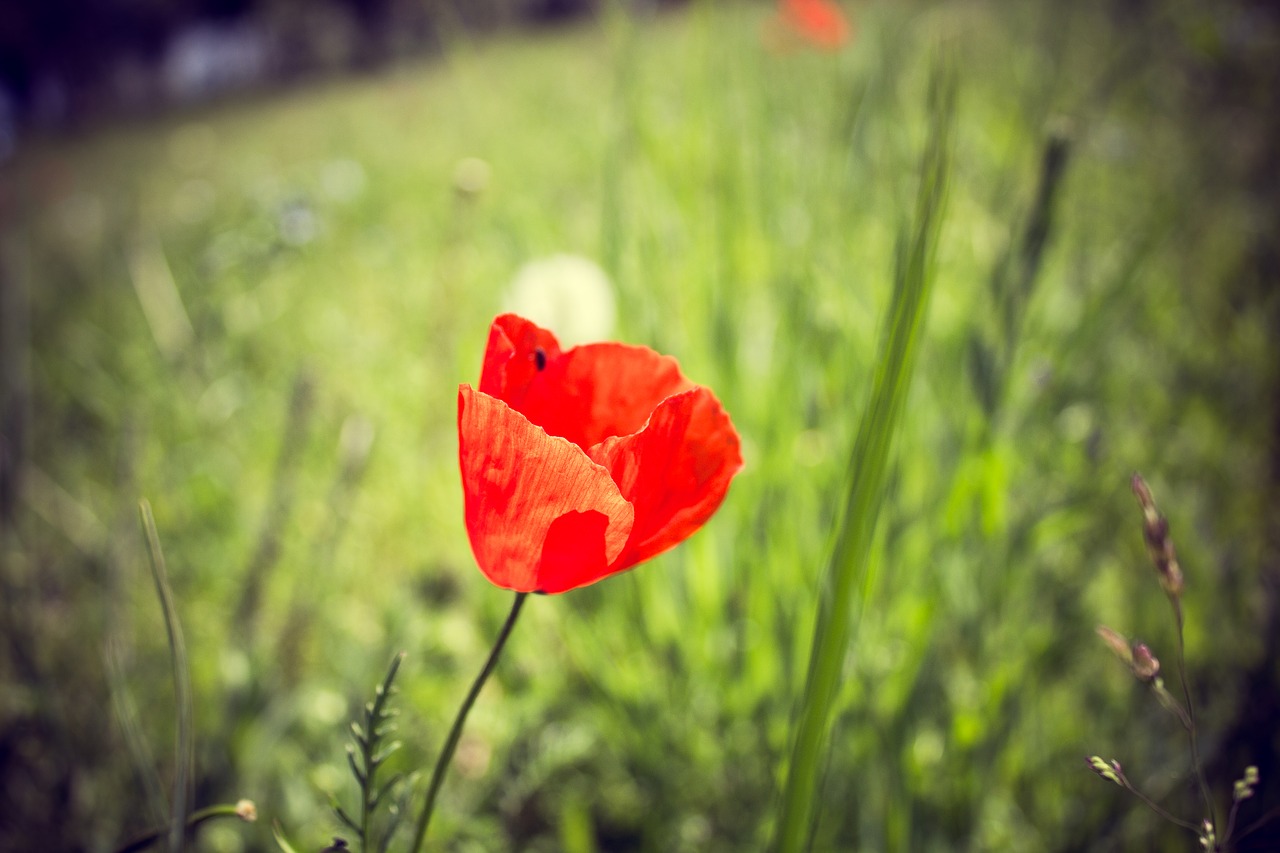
{"x":283,"y":843}
{"x":848,"y":578}
{"x":180,"y":805}
{"x":158,"y":294}
{"x":1014,"y":278}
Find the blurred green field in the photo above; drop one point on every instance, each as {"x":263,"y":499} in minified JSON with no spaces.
{"x":292,"y":420}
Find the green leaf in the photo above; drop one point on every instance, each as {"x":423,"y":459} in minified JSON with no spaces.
{"x":849,"y":578}
{"x":180,"y":806}
{"x":283,"y":843}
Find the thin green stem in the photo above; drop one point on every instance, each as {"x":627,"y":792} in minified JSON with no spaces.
{"x":1270,"y":815}
{"x":1151,"y":804}
{"x":1191,"y":713}
{"x":1171,"y":705}
{"x":1231,"y":821}
{"x":151,"y":836}
{"x":366,"y":808}
{"x":455,"y":733}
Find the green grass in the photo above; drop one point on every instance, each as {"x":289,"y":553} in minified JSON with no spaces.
{"x":850,"y":582}
{"x":747,"y":206}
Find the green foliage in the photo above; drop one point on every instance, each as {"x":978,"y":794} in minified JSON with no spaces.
{"x":370,"y":751}
{"x":257,"y":316}
{"x":849,"y":581}
{"x":180,"y":803}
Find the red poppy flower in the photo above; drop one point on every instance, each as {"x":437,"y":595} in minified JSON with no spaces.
{"x":580,"y":464}
{"x":820,"y":22}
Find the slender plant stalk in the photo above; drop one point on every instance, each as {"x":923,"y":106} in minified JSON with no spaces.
{"x":455,"y":733}
{"x":1266,"y":818}
{"x":1191,"y":714}
{"x":151,"y":836}
{"x":848,"y":578}
{"x":1172,"y":706}
{"x":1231,"y":820}
{"x":180,"y":807}
{"x":1151,"y":804}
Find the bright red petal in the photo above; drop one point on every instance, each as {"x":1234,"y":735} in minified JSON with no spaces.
{"x":574,"y":553}
{"x":541,"y":516}
{"x":675,"y":471}
{"x":586,"y":394}
{"x":820,"y":21}
{"x":597,"y":391}
{"x":517,"y":352}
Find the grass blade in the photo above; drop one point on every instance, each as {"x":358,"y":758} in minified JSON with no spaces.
{"x":848,"y":577}
{"x":180,"y":805}
{"x":283,"y":843}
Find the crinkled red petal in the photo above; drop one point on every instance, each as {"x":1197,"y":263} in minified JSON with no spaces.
{"x":598,"y":391}
{"x":675,"y":471}
{"x":512,"y":360}
{"x":540,"y":514}
{"x":586,"y":394}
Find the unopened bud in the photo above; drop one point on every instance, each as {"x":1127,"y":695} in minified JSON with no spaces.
{"x":1117,"y":643}
{"x":1145,"y":666}
{"x":1170,"y":572}
{"x":246,"y":811}
{"x":1111,"y":772}
{"x":1143,"y":494}
{"x":1244,"y":787}
{"x":1155,"y":529}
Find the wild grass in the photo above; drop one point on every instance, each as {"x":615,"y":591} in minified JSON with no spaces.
{"x":256,"y":315}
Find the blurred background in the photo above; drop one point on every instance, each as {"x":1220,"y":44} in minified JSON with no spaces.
{"x":248,"y":250}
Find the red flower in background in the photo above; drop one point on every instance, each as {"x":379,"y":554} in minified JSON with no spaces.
{"x":819,"y":22}
{"x":580,"y":464}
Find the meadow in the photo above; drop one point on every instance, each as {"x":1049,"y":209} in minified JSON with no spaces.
{"x":256,"y":315}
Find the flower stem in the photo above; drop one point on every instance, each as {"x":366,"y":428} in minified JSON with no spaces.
{"x":1231,"y":821}
{"x":1271,"y":815}
{"x":1191,"y":713}
{"x":455,"y":733}
{"x":243,"y":810}
{"x":1151,"y":804}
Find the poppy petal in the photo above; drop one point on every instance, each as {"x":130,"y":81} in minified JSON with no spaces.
{"x":675,"y":471}
{"x":597,"y":391}
{"x":518,"y":350}
{"x":819,"y":21}
{"x":574,"y":553}
{"x":541,"y":515}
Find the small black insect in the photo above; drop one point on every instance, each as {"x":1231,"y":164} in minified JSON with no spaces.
{"x":540,"y":358}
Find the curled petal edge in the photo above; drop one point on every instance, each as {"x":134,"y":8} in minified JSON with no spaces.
{"x":675,"y":472}
{"x":541,"y":515}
